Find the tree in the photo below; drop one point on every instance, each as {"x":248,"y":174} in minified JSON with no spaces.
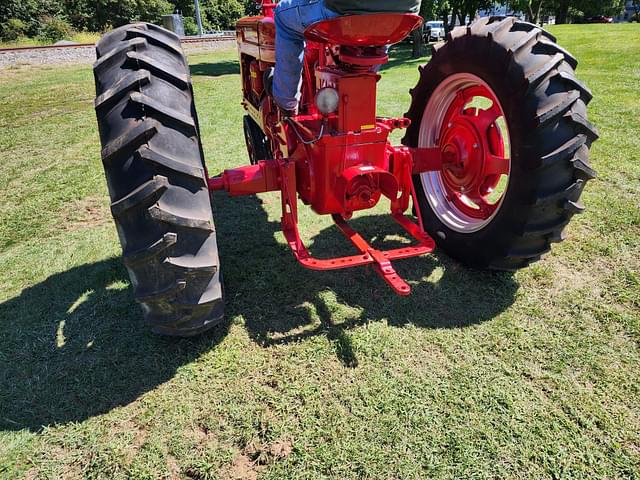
{"x":591,"y":8}
{"x":29,"y":12}
{"x":532,"y":8}
{"x":469,"y":8}
{"x":427,"y":10}
{"x":222,"y":14}
{"x":98,"y":15}
{"x":565,"y":9}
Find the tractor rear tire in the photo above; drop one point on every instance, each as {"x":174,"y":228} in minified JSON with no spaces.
{"x":157,"y":180}
{"x":544,"y":107}
{"x":258,"y":146}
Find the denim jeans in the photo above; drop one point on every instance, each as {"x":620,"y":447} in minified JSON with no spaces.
{"x":292,"y":17}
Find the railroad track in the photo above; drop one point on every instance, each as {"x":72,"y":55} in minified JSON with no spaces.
{"x":187,"y":40}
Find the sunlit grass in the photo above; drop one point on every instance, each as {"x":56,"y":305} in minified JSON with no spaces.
{"x":317,"y":375}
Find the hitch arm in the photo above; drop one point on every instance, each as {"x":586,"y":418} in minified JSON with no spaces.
{"x":248,"y":180}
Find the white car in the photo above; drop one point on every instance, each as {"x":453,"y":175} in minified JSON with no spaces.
{"x":434,"y":30}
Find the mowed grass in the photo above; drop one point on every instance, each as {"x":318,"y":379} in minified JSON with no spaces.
{"x":316,"y":375}
{"x":78,"y":37}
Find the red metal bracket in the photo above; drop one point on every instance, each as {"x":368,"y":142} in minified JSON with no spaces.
{"x":426,"y":159}
{"x":381,"y":260}
{"x":248,"y":180}
{"x":280,"y":174}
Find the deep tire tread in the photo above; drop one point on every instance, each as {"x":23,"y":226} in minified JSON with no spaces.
{"x":163,"y":215}
{"x":555,"y":137}
{"x":151,"y":189}
{"x":153,"y":161}
{"x":155,"y":38}
{"x":104,"y":60}
{"x":145,"y":254}
{"x":165,"y":161}
{"x":129,"y":141}
{"x":133,"y":80}
{"x":161,"y":70}
{"x":161,"y":294}
{"x":165,"y":112}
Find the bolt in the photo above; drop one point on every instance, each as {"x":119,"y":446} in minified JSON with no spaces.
{"x":475,"y":145}
{"x":450,"y":125}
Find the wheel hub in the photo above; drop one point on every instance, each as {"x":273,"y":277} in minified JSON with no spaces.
{"x":462,"y":158}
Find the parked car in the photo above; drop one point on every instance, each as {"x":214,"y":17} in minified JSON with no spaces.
{"x":600,"y":19}
{"x":433,"y":30}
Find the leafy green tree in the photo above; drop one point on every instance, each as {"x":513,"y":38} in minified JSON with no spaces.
{"x":222,"y":14}
{"x":53,"y":29}
{"x":533,"y":9}
{"x":97,"y":15}
{"x":29,"y":12}
{"x":564,"y":10}
{"x":591,"y":8}
{"x":12,"y":29}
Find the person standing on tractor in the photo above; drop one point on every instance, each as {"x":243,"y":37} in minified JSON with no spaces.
{"x":292,"y":17}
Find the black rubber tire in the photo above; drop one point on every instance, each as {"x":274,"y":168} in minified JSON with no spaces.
{"x":153,"y":161}
{"x":257,"y":142}
{"x":545,"y":108}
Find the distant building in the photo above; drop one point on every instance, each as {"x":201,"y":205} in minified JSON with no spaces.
{"x":627,"y":14}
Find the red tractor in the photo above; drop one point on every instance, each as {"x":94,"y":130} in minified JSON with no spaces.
{"x":493,"y":161}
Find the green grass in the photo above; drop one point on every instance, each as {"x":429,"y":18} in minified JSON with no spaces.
{"x":318,"y":375}
{"x":78,"y":37}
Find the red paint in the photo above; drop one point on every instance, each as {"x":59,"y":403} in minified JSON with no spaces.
{"x":343,"y":162}
{"x":473,"y":153}
{"x":373,"y":30}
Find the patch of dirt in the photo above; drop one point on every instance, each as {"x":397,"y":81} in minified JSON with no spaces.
{"x":263,"y":454}
{"x":139,"y":437}
{"x":173,"y":469}
{"x":201,"y":434}
{"x":72,"y":472}
{"x":633,"y":447}
{"x":31,"y":474}
{"x":281,"y":449}
{"x":253,"y":458}
{"x":86,"y":213}
{"x":242,"y":468}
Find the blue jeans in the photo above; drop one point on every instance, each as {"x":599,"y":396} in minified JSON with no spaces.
{"x":292,"y":17}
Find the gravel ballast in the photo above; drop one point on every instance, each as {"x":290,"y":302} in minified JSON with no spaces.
{"x":87,"y":54}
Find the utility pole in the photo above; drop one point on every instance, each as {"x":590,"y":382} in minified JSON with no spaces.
{"x":198,"y":17}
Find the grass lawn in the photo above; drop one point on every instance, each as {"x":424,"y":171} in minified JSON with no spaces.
{"x":318,"y":375}
{"x":78,"y":37}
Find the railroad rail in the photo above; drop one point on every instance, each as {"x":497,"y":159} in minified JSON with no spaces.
{"x":189,"y":40}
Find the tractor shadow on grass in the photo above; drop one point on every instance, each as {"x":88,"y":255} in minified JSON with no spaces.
{"x":282,"y":302}
{"x":216,"y":69}
{"x":75,"y":346}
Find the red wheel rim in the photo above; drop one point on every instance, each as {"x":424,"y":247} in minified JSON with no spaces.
{"x":465,"y":119}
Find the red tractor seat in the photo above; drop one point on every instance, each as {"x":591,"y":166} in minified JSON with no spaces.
{"x":370,"y":30}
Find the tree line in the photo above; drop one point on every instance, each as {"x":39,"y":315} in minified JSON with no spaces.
{"x":54,"y":19}
{"x":460,"y":11}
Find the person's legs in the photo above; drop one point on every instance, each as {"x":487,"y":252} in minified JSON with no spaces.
{"x":292,"y":17}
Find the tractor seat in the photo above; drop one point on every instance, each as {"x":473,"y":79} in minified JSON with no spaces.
{"x":370,"y":30}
